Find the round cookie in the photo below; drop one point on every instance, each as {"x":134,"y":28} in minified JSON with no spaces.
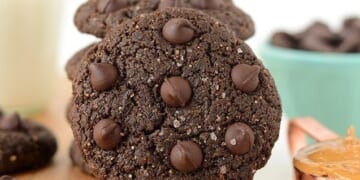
{"x":98,"y":16}
{"x":71,"y":66}
{"x":24,"y":144}
{"x":189,"y":101}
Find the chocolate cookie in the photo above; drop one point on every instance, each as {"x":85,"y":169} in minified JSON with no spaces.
{"x":24,"y":144}
{"x":98,"y":16}
{"x":71,"y":66}
{"x":77,"y":159}
{"x":174,"y":95}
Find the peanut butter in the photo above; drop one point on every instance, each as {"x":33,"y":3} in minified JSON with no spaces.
{"x":337,"y":159}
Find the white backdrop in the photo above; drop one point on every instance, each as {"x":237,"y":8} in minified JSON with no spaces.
{"x":269,"y":15}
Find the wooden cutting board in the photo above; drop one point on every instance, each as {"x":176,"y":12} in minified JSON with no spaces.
{"x":61,"y":167}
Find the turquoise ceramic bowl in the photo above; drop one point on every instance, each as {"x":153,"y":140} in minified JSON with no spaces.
{"x":324,"y":86}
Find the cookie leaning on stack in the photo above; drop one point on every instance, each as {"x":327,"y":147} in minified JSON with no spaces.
{"x":174,"y":95}
{"x":97,"y":17}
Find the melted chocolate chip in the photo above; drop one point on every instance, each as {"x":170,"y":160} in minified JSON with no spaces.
{"x":103,"y":76}
{"x":186,"y":156}
{"x":10,"y":123}
{"x":239,"y":138}
{"x":107,"y":134}
{"x":246,"y":77}
{"x":207,"y":4}
{"x":176,"y":91}
{"x":178,"y":31}
{"x":108,"y":6}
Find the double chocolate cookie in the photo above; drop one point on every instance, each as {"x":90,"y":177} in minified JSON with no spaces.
{"x":24,"y":144}
{"x":174,"y":95}
{"x":98,"y":16}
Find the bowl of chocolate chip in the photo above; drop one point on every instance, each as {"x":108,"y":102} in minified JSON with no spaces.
{"x":317,"y":72}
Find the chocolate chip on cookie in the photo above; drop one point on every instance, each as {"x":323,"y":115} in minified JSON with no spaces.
{"x":10,"y":123}
{"x":239,"y":138}
{"x":186,"y":156}
{"x":103,"y":76}
{"x":178,"y":31}
{"x":176,"y":91}
{"x":246,"y":77}
{"x":107,"y":134}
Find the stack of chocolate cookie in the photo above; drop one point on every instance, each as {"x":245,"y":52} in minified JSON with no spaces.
{"x":170,"y":92}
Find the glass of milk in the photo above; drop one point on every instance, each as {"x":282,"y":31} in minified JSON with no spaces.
{"x":28,"y":47}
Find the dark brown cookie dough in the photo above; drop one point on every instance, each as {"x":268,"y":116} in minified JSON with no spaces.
{"x":77,"y":159}
{"x":98,"y":16}
{"x":71,"y":66}
{"x":175,"y":132}
{"x":24,"y":145}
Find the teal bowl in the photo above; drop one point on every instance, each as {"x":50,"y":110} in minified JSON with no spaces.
{"x":322,"y":85}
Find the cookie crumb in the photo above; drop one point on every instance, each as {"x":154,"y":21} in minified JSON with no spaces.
{"x":176,"y":124}
{"x":223,"y":169}
{"x":213,"y":136}
{"x":240,"y":51}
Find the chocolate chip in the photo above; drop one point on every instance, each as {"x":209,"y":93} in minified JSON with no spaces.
{"x":107,"y":134}
{"x":351,"y":40}
{"x":352,"y":22}
{"x":239,"y":138}
{"x":178,"y":31}
{"x":169,"y":3}
{"x":176,"y":91}
{"x":6,"y":177}
{"x":319,"y":30}
{"x":283,"y":39}
{"x":186,"y":156}
{"x":207,"y":4}
{"x":10,"y":123}
{"x":246,"y":77}
{"x":103,"y":76}
{"x":108,"y":6}
{"x":314,"y":43}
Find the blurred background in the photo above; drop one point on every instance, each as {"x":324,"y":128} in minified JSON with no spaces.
{"x":269,"y":16}
{"x":62,"y":39}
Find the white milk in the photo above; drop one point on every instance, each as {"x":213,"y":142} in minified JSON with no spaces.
{"x":28,"y":45}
